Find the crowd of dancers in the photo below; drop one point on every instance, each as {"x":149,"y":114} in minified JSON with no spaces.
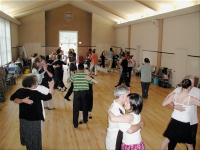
{"x":123,"y":129}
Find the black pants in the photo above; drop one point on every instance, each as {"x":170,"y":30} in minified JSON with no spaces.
{"x":88,"y":63}
{"x":172,"y":144}
{"x":145,"y":89}
{"x":69,"y":92}
{"x":80,"y":101}
{"x":90,"y":98}
{"x":129,"y":73}
{"x":102,"y":62}
{"x":124,"y":78}
{"x":58,"y":79}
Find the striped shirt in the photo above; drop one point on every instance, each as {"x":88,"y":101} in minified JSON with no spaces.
{"x":80,"y":83}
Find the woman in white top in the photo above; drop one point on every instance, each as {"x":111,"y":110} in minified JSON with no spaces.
{"x":35,"y":70}
{"x":35,"y":55}
{"x":179,"y":129}
{"x":131,"y":64}
{"x":134,"y":106}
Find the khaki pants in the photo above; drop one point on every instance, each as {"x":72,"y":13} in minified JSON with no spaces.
{"x":49,"y":104}
{"x":110,"y":61}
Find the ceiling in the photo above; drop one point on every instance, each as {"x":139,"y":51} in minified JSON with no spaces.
{"x":119,"y":11}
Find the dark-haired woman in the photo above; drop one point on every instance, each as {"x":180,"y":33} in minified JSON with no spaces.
{"x":48,"y":75}
{"x":179,"y":129}
{"x":31,"y":114}
{"x":134,"y":106}
{"x":58,"y":74}
{"x":103,"y":59}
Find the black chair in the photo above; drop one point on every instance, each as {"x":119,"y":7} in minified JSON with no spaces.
{"x":163,"y":82}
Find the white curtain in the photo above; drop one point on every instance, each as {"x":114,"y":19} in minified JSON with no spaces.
{"x":5,"y":42}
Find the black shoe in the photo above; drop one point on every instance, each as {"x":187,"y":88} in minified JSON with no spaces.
{"x":116,"y":85}
{"x":67,"y":99}
{"x":75,"y":126}
{"x":81,"y":122}
{"x":90,"y":116}
{"x":50,"y":108}
{"x":86,"y":121}
{"x":64,"y":89}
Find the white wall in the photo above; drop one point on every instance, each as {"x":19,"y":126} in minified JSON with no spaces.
{"x":182,"y":32}
{"x":145,"y":36}
{"x":102,"y":33}
{"x":121,"y":38}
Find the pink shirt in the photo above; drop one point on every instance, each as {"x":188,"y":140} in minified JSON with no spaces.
{"x":94,"y":59}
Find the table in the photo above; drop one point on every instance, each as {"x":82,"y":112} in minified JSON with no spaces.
{"x":13,"y":69}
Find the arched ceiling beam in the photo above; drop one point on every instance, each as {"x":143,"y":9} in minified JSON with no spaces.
{"x":147,"y":4}
{"x":46,"y":2}
{"x":106,"y":9}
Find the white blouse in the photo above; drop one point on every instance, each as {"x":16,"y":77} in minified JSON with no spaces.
{"x":134,"y":138}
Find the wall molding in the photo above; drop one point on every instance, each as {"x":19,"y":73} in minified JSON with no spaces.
{"x":159,"y":52}
{"x":131,"y":48}
{"x":193,"y":56}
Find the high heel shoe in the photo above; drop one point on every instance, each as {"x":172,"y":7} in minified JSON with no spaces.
{"x":64,"y":89}
{"x":50,"y":108}
{"x":80,"y":122}
{"x":90,"y":116}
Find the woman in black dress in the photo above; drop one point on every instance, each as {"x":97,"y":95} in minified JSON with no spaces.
{"x":58,"y":74}
{"x":103,"y":59}
{"x":48,"y":76}
{"x":31,"y":115}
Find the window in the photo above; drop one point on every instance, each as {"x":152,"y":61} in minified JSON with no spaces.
{"x":68,"y":40}
{"x":68,"y":16}
{"x":5,"y":42}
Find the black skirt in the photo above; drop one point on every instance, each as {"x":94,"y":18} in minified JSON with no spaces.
{"x":179,"y":132}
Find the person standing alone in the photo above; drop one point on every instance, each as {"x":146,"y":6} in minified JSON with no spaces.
{"x":146,"y":71}
{"x":94,"y":62}
{"x":110,"y":59}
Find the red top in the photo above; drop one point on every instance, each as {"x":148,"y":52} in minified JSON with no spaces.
{"x":94,"y":59}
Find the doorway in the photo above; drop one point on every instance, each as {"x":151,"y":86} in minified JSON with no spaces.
{"x":180,"y":65}
{"x":68,"y":40}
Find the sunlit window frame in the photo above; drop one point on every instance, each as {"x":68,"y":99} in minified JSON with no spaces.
{"x":5,"y":42}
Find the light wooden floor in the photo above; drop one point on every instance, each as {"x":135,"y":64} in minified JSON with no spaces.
{"x":59,"y":133}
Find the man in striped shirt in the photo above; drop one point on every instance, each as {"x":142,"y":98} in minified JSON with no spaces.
{"x":81,"y":89}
